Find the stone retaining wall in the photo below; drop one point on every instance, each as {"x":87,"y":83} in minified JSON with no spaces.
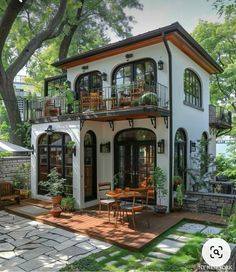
{"x":9,"y":165}
{"x":209,"y":202}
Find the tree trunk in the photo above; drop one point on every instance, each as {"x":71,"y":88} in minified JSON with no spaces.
{"x":10,"y":101}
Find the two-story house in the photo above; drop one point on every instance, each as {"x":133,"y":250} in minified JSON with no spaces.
{"x":139,"y":102}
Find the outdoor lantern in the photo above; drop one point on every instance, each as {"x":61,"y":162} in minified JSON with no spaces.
{"x":128,"y":56}
{"x":192,"y":146}
{"x":85,"y":67}
{"x":104,"y":76}
{"x":49,"y":130}
{"x":74,"y":150}
{"x":161,"y":146}
{"x":160,"y":65}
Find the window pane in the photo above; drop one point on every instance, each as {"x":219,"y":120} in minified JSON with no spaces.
{"x":192,"y":88}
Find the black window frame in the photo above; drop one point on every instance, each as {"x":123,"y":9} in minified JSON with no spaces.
{"x":90,"y":74}
{"x":132,"y":65}
{"x":192,"y":89}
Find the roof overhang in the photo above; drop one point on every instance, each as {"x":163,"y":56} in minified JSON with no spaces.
{"x":174,"y":33}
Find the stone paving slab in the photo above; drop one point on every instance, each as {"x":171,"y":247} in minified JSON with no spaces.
{"x":211,"y":230}
{"x":111,"y":263}
{"x":159,"y":255}
{"x":27,"y":245}
{"x":114,"y":253}
{"x":169,"y":246}
{"x":191,"y":228}
{"x":179,"y":238}
{"x":99,"y":259}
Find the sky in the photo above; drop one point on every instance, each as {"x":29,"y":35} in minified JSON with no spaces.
{"x":159,"y":13}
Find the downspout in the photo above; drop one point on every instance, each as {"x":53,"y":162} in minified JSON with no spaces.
{"x":170,"y":120}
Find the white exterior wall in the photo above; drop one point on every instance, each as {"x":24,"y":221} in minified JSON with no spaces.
{"x":193,"y":121}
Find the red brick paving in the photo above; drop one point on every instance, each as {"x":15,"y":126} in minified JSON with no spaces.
{"x":96,"y":225}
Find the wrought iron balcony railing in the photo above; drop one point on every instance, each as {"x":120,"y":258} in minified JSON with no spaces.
{"x":105,"y":99}
{"x":219,"y":117}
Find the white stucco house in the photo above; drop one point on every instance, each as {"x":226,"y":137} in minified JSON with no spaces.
{"x":140,"y":102}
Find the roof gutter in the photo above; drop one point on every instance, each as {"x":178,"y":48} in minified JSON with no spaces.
{"x":170,"y":120}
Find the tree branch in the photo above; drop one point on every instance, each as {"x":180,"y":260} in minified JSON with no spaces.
{"x":36,"y":42}
{"x":13,"y":9}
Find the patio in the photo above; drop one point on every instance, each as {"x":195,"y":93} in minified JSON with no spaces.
{"x":96,"y":225}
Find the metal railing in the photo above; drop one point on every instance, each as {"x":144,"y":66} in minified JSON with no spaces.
{"x":105,"y":99}
{"x":219,"y":116}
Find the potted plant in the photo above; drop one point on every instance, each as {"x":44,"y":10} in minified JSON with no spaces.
{"x":149,"y":98}
{"x":177,"y":181}
{"x":159,"y":182}
{"x":68,"y":203}
{"x":54,"y":185}
{"x":21,"y":180}
{"x":56,"y":211}
{"x":179,"y":197}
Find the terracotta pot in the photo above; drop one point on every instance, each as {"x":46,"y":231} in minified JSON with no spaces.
{"x":56,"y":200}
{"x":56,"y":212}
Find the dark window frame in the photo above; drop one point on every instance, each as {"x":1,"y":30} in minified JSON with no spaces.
{"x":192,"y":89}
{"x":48,"y":145}
{"x":132,"y":65}
{"x":90,"y":89}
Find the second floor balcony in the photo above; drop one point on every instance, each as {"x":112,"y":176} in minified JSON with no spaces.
{"x":219,"y":117}
{"x":140,"y":100}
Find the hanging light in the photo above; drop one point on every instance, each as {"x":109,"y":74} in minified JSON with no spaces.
{"x":160,"y":65}
{"x":161,"y":146}
{"x":49,"y":130}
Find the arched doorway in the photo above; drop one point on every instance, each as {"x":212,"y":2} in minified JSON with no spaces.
{"x":135,"y":156}
{"x":90,"y":166}
{"x":180,"y":155}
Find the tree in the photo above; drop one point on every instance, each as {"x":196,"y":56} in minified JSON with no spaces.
{"x":220,"y":42}
{"x":28,"y":28}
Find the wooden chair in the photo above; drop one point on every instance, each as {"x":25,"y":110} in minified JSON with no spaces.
{"x":7,"y":192}
{"x":135,"y":207}
{"x":103,"y":188}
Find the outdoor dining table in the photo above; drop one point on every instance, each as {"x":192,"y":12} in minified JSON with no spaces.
{"x":125,"y":194}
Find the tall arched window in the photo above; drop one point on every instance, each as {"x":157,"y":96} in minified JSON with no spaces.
{"x":135,"y":72}
{"x":192,"y":88}
{"x":88,"y":83}
{"x":90,"y":166}
{"x":54,"y":151}
{"x":180,"y":155}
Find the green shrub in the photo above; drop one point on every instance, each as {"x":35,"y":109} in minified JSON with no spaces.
{"x":68,"y":204}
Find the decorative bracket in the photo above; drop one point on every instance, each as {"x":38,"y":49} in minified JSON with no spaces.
{"x":111,"y":124}
{"x":131,"y":123}
{"x":81,"y":124}
{"x":166,"y":121}
{"x":154,"y":122}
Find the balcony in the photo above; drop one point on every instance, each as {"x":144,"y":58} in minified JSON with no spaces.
{"x":121,"y":102}
{"x":219,"y":117}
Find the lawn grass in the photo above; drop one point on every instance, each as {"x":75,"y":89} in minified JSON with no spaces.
{"x":184,"y":260}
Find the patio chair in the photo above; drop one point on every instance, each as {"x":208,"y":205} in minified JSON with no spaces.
{"x":103,"y":188}
{"x":136,"y":207}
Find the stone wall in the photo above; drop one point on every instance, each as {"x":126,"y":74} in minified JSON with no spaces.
{"x":209,"y":202}
{"x":9,"y":165}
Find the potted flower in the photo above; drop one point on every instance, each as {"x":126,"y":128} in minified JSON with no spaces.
{"x":159,"y":182}
{"x":179,"y":197}
{"x":177,"y":181}
{"x":54,"y":185}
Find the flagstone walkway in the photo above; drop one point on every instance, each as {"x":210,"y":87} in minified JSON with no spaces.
{"x":27,"y":245}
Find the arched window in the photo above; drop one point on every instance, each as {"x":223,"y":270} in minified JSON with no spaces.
{"x":180,"y":155}
{"x":192,"y":88}
{"x":90,"y":166}
{"x":135,"y":72}
{"x":88,"y":83}
{"x":54,"y":151}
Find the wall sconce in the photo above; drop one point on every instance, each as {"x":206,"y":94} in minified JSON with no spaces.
{"x":74,"y":150}
{"x":85,"y":67}
{"x":32,"y":149}
{"x":161,"y":146}
{"x":192,"y":147}
{"x":160,"y":65}
{"x":128,"y":56}
{"x":49,"y":130}
{"x":105,"y":148}
{"x":104,"y":76}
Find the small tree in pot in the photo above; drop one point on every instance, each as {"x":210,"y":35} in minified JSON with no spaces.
{"x":159,"y":182}
{"x":179,"y":198}
{"x":54,"y":185}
